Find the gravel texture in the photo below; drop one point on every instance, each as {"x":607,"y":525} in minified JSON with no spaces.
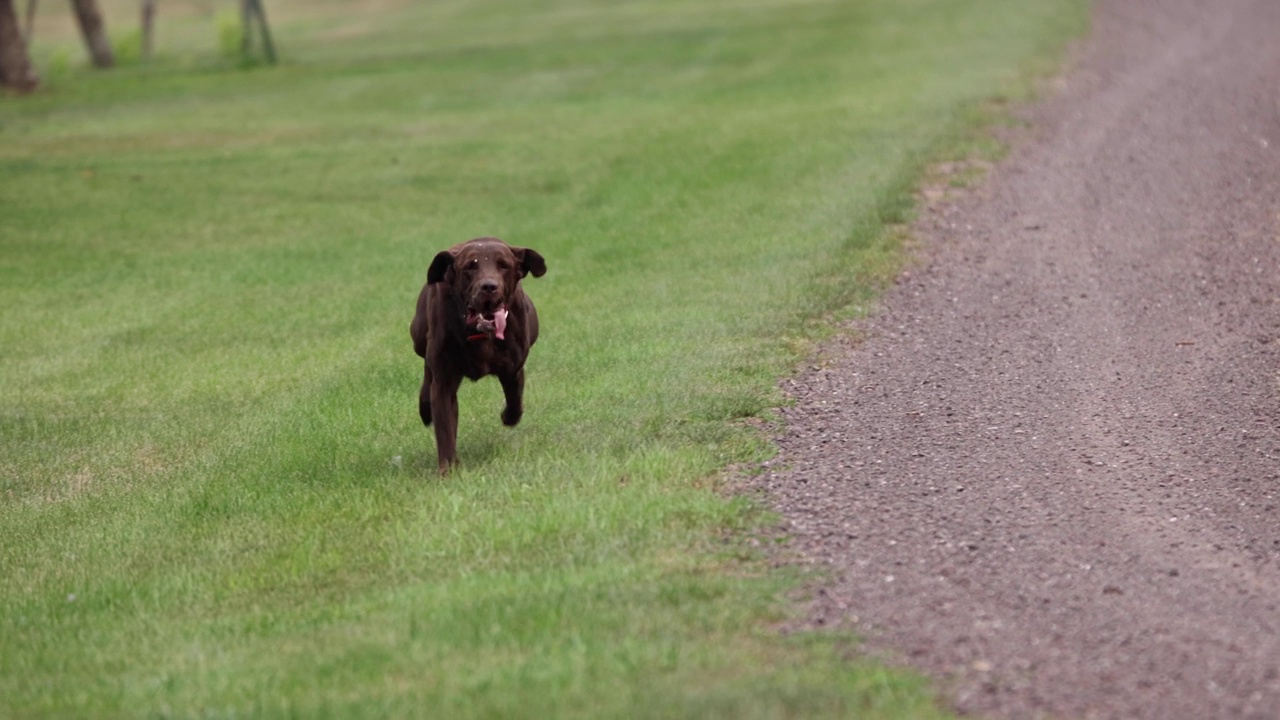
{"x":1048,"y":475}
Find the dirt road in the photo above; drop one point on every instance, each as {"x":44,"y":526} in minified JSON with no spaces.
{"x":1050,"y":476}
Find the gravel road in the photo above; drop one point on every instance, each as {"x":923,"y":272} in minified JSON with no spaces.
{"x":1049,"y":475}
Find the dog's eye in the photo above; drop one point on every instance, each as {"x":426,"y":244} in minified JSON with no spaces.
{"x":504,"y":265}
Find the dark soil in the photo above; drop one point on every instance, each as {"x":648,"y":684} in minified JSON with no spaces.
{"x":1049,"y":475}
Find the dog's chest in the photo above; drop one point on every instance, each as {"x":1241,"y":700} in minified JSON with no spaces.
{"x":483,"y":359}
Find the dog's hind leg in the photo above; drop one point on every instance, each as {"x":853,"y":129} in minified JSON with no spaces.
{"x":513,"y":390}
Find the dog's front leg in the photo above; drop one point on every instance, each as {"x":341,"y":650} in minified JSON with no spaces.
{"x":513,"y":390}
{"x":424,"y":396}
{"x":444,"y":415}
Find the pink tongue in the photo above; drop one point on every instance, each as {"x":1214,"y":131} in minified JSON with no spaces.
{"x":499,"y":322}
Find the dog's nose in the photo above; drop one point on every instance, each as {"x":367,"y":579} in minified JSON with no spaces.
{"x":489,"y":287}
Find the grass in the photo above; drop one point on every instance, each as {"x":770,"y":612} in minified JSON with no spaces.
{"x":215,"y":494}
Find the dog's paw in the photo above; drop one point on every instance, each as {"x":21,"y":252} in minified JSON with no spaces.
{"x":511,"y":417}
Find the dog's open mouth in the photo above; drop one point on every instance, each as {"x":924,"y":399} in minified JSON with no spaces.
{"x":492,"y":322}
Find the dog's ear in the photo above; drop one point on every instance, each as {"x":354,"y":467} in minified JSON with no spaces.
{"x":440,"y":267}
{"x":531,"y":263}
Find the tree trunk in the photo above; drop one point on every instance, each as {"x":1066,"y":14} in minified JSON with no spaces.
{"x":249,"y":10}
{"x":246,"y":27}
{"x":30,"y":23}
{"x":15,"y":67}
{"x":94,"y":32}
{"x":148,"y":22}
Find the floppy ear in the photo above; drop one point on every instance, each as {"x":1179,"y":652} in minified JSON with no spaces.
{"x":440,"y":267}
{"x":530,"y":262}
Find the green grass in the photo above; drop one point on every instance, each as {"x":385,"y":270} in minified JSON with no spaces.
{"x":216,"y":498}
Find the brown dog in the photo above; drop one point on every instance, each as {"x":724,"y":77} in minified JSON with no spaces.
{"x":473,"y":320}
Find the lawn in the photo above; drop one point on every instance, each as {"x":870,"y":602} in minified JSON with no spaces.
{"x":216,"y":497}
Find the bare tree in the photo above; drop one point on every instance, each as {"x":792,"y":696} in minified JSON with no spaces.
{"x":148,"y":22}
{"x":30,"y":21}
{"x":251,"y":10}
{"x":15,"y":67}
{"x":89,"y":18}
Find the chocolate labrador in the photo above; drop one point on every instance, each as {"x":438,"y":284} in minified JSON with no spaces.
{"x":473,"y":320}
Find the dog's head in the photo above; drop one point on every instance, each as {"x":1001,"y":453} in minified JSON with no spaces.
{"x":484,"y":274}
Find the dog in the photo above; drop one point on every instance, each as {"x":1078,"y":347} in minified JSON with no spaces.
{"x":473,"y":319}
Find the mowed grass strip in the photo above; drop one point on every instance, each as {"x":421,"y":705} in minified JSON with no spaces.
{"x":216,"y":497}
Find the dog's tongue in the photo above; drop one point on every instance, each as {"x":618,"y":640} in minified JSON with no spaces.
{"x":496,"y":325}
{"x":499,"y":322}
